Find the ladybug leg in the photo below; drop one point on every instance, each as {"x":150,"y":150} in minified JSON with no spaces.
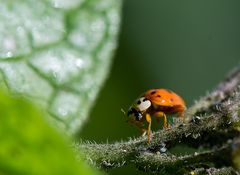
{"x":144,"y":132}
{"x":160,"y":115}
{"x":149,"y":120}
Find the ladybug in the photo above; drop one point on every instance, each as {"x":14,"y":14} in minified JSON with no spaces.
{"x":157,"y":103}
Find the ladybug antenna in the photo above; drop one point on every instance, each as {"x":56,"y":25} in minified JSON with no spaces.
{"x":123,"y":111}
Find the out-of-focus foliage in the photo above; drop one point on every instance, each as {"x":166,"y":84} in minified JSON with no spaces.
{"x":57,"y":53}
{"x":29,"y":146}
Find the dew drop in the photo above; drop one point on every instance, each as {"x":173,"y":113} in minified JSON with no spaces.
{"x":162,"y":148}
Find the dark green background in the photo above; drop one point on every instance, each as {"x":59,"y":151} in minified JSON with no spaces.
{"x":185,"y":46}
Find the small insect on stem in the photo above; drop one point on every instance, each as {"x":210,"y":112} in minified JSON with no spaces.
{"x":157,"y":103}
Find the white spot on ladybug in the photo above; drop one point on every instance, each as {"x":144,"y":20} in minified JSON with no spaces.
{"x":163,"y":101}
{"x":143,"y":104}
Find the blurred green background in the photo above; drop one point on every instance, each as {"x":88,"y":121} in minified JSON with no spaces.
{"x":187,"y":46}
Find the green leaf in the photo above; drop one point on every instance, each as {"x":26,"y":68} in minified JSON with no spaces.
{"x":57,"y":53}
{"x":29,"y":146}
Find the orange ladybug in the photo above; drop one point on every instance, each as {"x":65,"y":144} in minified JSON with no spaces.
{"x":158,"y":103}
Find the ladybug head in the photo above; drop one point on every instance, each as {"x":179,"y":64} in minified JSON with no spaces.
{"x":139,"y":107}
{"x":142,"y":104}
{"x":133,"y":113}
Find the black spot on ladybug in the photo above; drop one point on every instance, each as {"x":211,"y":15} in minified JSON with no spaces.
{"x":138,"y":102}
{"x":153,"y":92}
{"x":171,"y":100}
{"x":169,"y":91}
{"x":159,"y":96}
{"x":145,"y":99}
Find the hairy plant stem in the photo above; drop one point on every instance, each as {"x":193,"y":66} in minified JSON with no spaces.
{"x":211,"y":126}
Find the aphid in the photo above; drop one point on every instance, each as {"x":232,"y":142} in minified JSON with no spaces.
{"x":157,"y":103}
